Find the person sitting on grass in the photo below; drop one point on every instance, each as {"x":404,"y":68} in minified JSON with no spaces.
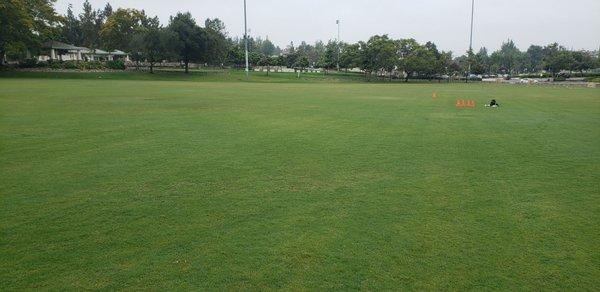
{"x":493,"y":103}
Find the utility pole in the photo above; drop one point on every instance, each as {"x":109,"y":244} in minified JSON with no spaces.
{"x":470,"y":41}
{"x":338,"y":44}
{"x":246,"y":38}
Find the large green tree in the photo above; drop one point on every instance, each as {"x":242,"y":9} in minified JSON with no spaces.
{"x":90,"y":24}
{"x":582,"y":61}
{"x":302,"y":63}
{"x":71,"y":29}
{"x":481,"y":62}
{"x":268,"y":61}
{"x":558,"y":61}
{"x":509,"y":58}
{"x":236,"y":54}
{"x":446,"y":65}
{"x":158,"y":45}
{"x":409,"y":51}
{"x":216,"y":25}
{"x":24,"y":25}
{"x":431,"y":55}
{"x":121,"y":27}
{"x":379,"y":55}
{"x":86,"y":29}
{"x":328,"y":60}
{"x":152,"y":43}
{"x":534,"y":59}
{"x":216,"y":44}
{"x":189,"y":39}
{"x":350,"y":56}
{"x":268,"y":48}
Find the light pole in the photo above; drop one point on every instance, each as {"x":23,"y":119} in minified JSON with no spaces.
{"x":246,"y":38}
{"x":338,"y":45}
{"x":472,"y":14}
{"x":470,"y":41}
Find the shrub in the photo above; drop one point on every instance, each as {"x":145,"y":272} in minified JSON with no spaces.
{"x":70,"y":65}
{"x":91,"y":65}
{"x":29,"y":63}
{"x":94,"y":65}
{"x":116,"y":65}
{"x":54,"y":65}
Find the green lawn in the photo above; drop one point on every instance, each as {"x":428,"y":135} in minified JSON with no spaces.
{"x":162,"y":185}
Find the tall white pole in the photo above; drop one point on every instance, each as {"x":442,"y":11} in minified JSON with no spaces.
{"x":472,"y":14}
{"x":338,"y":45}
{"x":470,"y":41}
{"x":246,"y":38}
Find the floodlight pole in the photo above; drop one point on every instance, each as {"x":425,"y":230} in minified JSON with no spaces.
{"x":246,"y":38}
{"x":472,"y":15}
{"x":470,"y":40}
{"x":338,"y":45}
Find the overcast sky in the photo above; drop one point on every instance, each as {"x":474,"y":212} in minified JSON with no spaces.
{"x":574,"y":23}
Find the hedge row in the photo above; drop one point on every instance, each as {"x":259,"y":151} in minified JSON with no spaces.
{"x":79,"y":65}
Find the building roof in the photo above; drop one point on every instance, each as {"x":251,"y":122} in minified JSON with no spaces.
{"x":99,"y":52}
{"x":103,"y":52}
{"x":63,"y":46}
{"x":59,"y":45}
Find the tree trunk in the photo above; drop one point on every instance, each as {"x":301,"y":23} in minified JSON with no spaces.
{"x":151,"y":67}
{"x":187,"y":62}
{"x":268,"y":69}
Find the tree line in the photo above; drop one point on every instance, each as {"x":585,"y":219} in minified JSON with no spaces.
{"x":552,"y":58}
{"x":26,"y":24}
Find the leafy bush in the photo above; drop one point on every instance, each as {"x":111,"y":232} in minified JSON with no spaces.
{"x":29,"y":63}
{"x":116,"y":65}
{"x":16,"y":50}
{"x":55,"y":64}
{"x":70,"y":65}
{"x":91,"y":65}
{"x":74,"y":65}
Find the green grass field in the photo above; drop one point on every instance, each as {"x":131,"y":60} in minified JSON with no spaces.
{"x":163,"y":185}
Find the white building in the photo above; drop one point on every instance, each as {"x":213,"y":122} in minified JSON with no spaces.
{"x":54,"y":50}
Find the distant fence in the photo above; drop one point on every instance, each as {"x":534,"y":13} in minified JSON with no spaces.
{"x":174,"y":65}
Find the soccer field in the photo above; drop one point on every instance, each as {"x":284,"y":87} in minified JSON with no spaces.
{"x":162,"y":185}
